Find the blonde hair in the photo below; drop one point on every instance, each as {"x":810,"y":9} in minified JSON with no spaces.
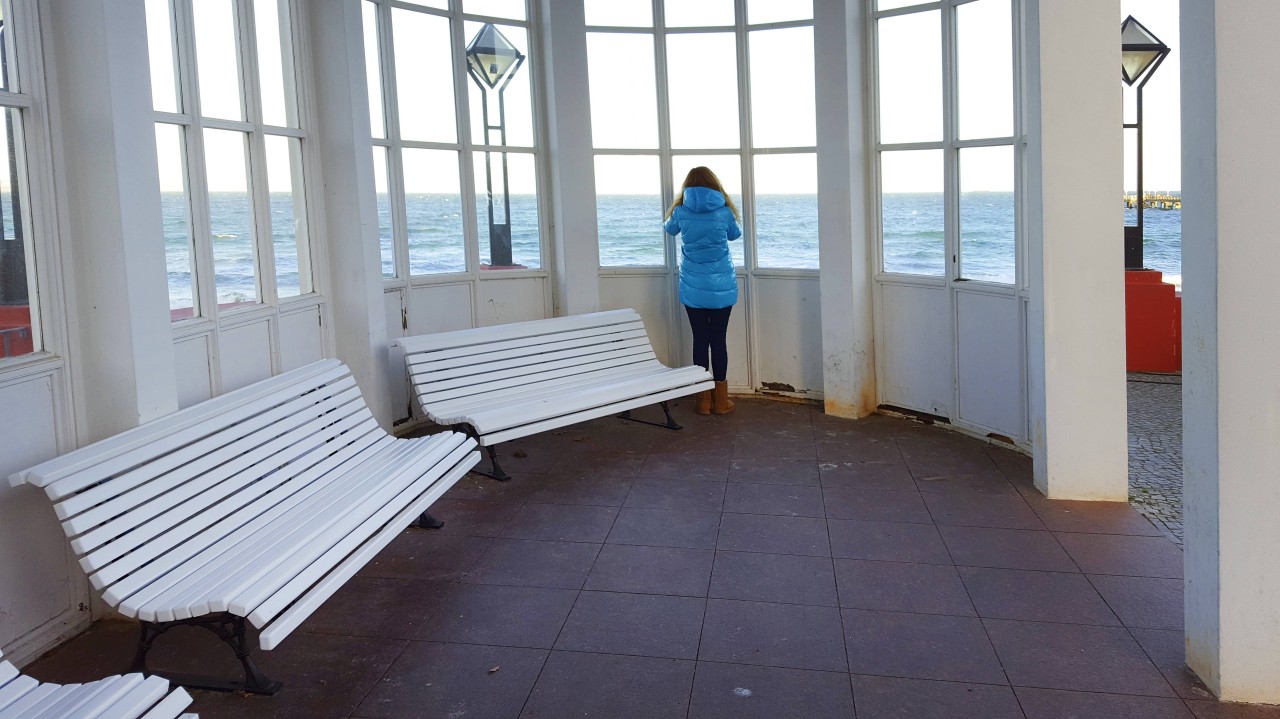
{"x":702,"y":177}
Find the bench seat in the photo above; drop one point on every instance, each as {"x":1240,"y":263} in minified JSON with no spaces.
{"x":130,"y":696}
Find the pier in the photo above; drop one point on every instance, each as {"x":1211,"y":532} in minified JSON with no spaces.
{"x":1152,"y":201}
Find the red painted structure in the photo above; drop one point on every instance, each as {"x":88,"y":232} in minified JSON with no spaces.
{"x":15,"y":330}
{"x":1153,"y":322}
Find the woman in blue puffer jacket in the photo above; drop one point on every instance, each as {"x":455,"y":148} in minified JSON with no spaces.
{"x":707,"y":218}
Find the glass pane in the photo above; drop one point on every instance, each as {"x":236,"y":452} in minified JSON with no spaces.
{"x":160,"y":50}
{"x":726,"y":167}
{"x":288,"y":216}
{"x":438,"y":4}
{"x":986,"y":214}
{"x":629,"y":211}
{"x":894,"y":4}
{"x":385,"y":248}
{"x":275,"y":62}
{"x":786,"y":210}
{"x":18,"y":335}
{"x":373,"y":69}
{"x":217,"y":60}
{"x":702,"y":73}
{"x":910,"y":77}
{"x":6,"y":46}
{"x":502,"y":226}
{"x":782,"y":95}
{"x":175,"y":209}
{"x":911,"y":212}
{"x":619,"y":13}
{"x":624,"y":95}
{"x":759,"y":11}
{"x":424,"y":76}
{"x":984,"y":69}
{"x":433,"y":212}
{"x":510,"y":9}
{"x":230,"y":218}
{"x":699,"y":13}
{"x":514,"y":102}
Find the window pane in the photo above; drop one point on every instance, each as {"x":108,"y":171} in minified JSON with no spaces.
{"x":494,"y":221}
{"x":217,"y":61}
{"x":984,"y":68}
{"x":385,"y":248}
{"x":893,"y":4}
{"x":702,"y":13}
{"x":433,"y":212}
{"x":230,"y":218}
{"x":373,"y":69}
{"x":786,"y":210}
{"x":759,"y":11}
{"x":726,"y":167}
{"x":910,"y":77}
{"x":629,"y":211}
{"x":164,"y":90}
{"x":624,"y":96}
{"x":6,"y":37}
{"x":424,"y":76}
{"x":275,"y":62}
{"x":986,"y":214}
{"x":702,"y":73}
{"x":288,"y":216}
{"x":620,"y":13}
{"x":175,"y":209}
{"x":438,"y":4}
{"x":511,"y":9}
{"x":782,"y":95}
{"x":911,"y":210}
{"x":515,"y":98}
{"x":18,"y":334}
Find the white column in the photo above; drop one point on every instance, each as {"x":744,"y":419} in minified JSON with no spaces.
{"x":1231,"y":338}
{"x":1075,"y":254}
{"x":122,"y":347}
{"x":844,"y":240}
{"x":342,"y":134}
{"x":573,"y":177}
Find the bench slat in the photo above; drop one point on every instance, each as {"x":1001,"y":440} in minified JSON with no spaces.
{"x":80,"y":700}
{"x":514,"y":330}
{"x":483,"y":379}
{"x":463,"y":356}
{"x":8,"y":672}
{"x":501,"y":361}
{"x":19,"y":708}
{"x":138,"y":700}
{"x":495,"y":386}
{"x":15,"y":689}
{"x":171,"y":706}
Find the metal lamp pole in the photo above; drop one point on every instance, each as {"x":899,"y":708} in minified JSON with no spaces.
{"x":1141,"y":55}
{"x":491,"y":62}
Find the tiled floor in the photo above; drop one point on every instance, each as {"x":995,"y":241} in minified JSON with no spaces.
{"x":772,"y":563}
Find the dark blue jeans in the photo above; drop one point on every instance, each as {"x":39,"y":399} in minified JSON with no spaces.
{"x":709,"y":330}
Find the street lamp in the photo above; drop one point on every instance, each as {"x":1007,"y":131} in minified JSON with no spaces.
{"x":1141,"y":55}
{"x":491,"y":62}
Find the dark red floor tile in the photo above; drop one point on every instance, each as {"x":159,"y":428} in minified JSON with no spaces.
{"x":893,"y":698}
{"x":589,"y":490}
{"x":1143,"y":602}
{"x":1036,"y":596}
{"x":784,"y":578}
{"x":1124,"y":555}
{"x":865,"y":475}
{"x":1075,"y":657}
{"x":1093,"y":517}
{"x":902,"y":587}
{"x":739,"y":691}
{"x":603,"y":686}
{"x":1006,"y":549}
{"x":378,"y":607}
{"x":424,"y":554}
{"x":979,"y":510}
{"x":920,"y":646}
{"x":652,"y":570}
{"x":1054,"y":704}
{"x":887,"y":541}
{"x":676,"y":494}
{"x":561,"y":523}
{"x":783,"y":635}
{"x":786,"y":500}
{"x":1232,"y":710}
{"x":472,"y":517}
{"x":431,"y":679}
{"x":558,"y":565}
{"x":666,"y":528}
{"x":770,"y":468}
{"x":1166,"y":647}
{"x":774,"y":535}
{"x":875,"y":505}
{"x":507,"y":616}
{"x":640,"y":624}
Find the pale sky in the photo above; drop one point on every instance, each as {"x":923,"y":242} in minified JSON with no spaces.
{"x":1162,"y":119}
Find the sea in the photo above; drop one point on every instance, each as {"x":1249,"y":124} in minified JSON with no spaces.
{"x":786,"y":228}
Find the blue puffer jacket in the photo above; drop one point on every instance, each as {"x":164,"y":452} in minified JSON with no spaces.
{"x":707,"y":280}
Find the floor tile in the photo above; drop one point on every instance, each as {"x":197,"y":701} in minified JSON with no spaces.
{"x":843,"y":447}
{"x":472,"y":517}
{"x":767,"y":468}
{"x":1075,"y":657}
{"x":986,"y":483}
{"x":431,"y":679}
{"x":1055,"y":704}
{"x":783,"y":578}
{"x":887,"y":541}
{"x":1230,"y":710}
{"x":920,"y":646}
{"x":740,"y":691}
{"x":600,"y":465}
{"x":902,"y":587}
{"x":875,"y":505}
{"x":601,"y":686}
{"x":977,"y":510}
{"x":1128,"y":556}
{"x":865,"y":475}
{"x":1144,"y":602}
{"x":423,"y":554}
{"x":666,"y":528}
{"x":1093,"y":517}
{"x":783,"y":635}
{"x":562,"y":523}
{"x":1166,"y":647}
{"x":378,"y":607}
{"x":1006,"y":549}
{"x":788,"y":500}
{"x":894,"y":698}
{"x":588,"y":490}
{"x":676,"y":494}
{"x":562,"y":565}
{"x":478,"y":487}
{"x":1036,"y":596}
{"x":776,"y":535}
{"x":639,"y":624}
{"x":651,"y":570}
{"x":506,"y":616}
{"x":712,"y":467}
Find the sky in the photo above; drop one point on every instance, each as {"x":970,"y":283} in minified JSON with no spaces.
{"x":1162,"y":119}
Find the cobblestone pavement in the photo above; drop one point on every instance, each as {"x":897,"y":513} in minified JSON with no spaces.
{"x":1155,"y":449}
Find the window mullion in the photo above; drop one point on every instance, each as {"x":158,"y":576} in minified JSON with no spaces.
{"x":466,"y":160}
{"x":205,"y":294}
{"x":391,"y":125}
{"x":745,"y":159}
{"x":665,"y":161}
{"x":258,"y":185}
{"x":951,"y":153}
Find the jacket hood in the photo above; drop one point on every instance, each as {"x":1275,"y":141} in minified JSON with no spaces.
{"x":703,"y":199}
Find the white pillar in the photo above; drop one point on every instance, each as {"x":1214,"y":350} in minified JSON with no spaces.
{"x":1231,"y":338}
{"x":572,"y":162}
{"x":122,"y":351}
{"x":1075,"y":254}
{"x":844,"y":251}
{"x":351,"y":213}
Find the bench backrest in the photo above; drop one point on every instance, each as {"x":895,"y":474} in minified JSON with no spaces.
{"x":487,"y":361}
{"x":173,"y":486}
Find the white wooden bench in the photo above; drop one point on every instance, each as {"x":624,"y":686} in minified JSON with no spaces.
{"x":120,"y":697}
{"x":509,"y":381}
{"x":258,"y":504}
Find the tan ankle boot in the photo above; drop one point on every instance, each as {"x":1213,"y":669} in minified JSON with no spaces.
{"x":704,"y":402}
{"x":723,"y":405}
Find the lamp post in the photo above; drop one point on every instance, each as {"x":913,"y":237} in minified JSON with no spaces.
{"x":1141,"y":55}
{"x":491,"y":62}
